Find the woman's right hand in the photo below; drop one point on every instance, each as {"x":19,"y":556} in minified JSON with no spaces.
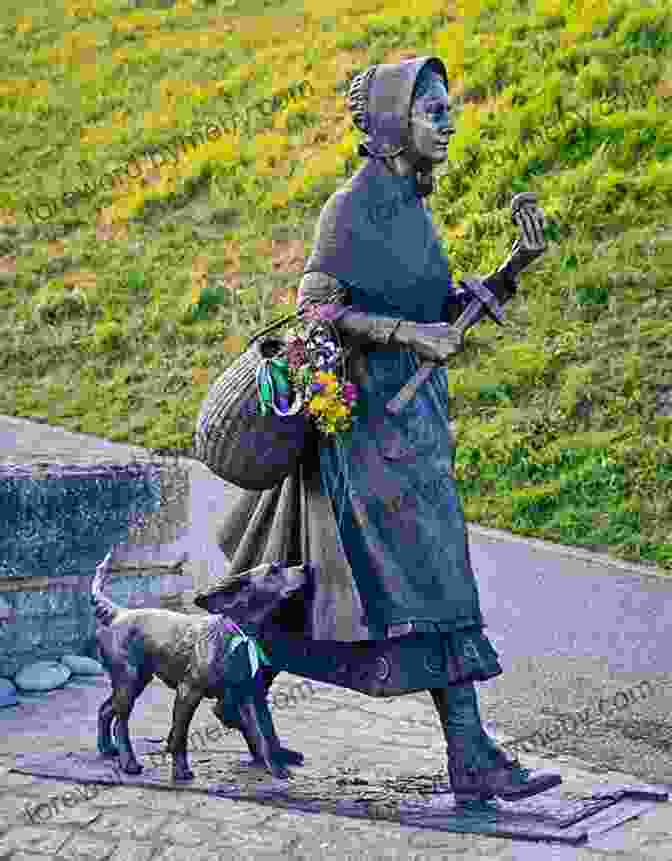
{"x":433,"y":342}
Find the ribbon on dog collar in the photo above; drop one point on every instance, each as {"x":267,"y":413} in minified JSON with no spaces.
{"x":254,"y":650}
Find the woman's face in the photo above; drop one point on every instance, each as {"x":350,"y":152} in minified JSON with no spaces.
{"x":432,"y":121}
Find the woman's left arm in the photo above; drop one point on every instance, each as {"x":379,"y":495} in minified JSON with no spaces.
{"x":500,"y":283}
{"x":503,"y":283}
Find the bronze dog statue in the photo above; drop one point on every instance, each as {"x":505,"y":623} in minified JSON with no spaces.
{"x":193,"y":656}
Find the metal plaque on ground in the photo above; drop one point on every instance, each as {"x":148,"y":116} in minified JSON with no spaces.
{"x":418,"y":800}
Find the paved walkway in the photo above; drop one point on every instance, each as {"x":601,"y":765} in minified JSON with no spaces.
{"x":332,"y":726}
{"x":337,"y":730}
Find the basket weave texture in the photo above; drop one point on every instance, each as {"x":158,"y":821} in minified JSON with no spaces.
{"x":235,"y":441}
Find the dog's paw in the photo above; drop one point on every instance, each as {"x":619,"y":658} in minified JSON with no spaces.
{"x":182,"y":775}
{"x":283,"y":756}
{"x":288,"y":757}
{"x":280,"y":771}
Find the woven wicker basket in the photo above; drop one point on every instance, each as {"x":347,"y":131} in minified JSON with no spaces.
{"x":234,"y":440}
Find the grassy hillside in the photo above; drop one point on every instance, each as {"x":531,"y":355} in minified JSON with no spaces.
{"x":119,"y":306}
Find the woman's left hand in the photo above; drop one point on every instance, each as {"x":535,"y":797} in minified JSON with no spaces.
{"x":531,"y":222}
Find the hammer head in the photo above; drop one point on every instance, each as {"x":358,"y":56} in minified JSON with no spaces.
{"x":522,"y":200}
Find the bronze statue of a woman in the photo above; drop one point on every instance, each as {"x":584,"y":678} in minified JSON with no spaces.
{"x":393,"y":605}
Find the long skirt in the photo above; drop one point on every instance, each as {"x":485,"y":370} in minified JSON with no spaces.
{"x":393,"y":607}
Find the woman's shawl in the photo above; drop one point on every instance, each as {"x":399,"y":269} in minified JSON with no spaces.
{"x":375,"y":234}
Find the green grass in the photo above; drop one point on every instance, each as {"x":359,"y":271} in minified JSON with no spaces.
{"x":118,"y":330}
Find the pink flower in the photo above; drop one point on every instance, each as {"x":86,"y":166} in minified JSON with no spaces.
{"x":296,"y":353}
{"x":349,"y":393}
{"x":328,"y":311}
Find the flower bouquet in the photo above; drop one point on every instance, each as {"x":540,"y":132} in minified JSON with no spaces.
{"x":309,"y":375}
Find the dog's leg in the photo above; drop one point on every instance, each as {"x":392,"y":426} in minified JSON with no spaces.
{"x":229,"y":716}
{"x":186,"y":703}
{"x":253,"y":727}
{"x":105,"y":718}
{"x":279,"y":753}
{"x":126,"y":692}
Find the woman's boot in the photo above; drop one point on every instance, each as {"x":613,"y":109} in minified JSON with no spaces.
{"x":478,"y":769}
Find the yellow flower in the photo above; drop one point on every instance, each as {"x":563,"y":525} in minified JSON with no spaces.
{"x":318,"y":404}
{"x":326,"y":378}
{"x":329,"y":381}
{"x":336,"y":410}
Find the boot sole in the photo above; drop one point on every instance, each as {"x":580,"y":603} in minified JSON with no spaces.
{"x":472,"y":797}
{"x":531,"y":789}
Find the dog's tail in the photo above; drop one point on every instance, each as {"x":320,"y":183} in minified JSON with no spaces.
{"x":105,"y":609}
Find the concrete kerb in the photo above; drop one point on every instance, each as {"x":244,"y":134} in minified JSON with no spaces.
{"x":176,"y":457}
{"x":213,"y":131}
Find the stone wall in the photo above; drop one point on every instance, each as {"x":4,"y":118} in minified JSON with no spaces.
{"x":56,"y":524}
{"x":54,"y":616}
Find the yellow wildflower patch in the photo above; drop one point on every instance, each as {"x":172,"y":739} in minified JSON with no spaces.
{"x":270,"y":149}
{"x":24,"y":87}
{"x":161,"y":119}
{"x":411,"y":9}
{"x":136,"y":21}
{"x":24,"y":24}
{"x":98,"y":135}
{"x":234,"y":344}
{"x":184,"y":7}
{"x":550,"y":8}
{"x":456,"y":232}
{"x":75,"y":48}
{"x":200,"y":376}
{"x":259,"y":30}
{"x":450,"y":47}
{"x":664,"y":89}
{"x":107,"y":232}
{"x":199,"y":278}
{"x":356,"y":7}
{"x":189,"y":40}
{"x":83,"y":279}
{"x":56,"y":249}
{"x":585,"y":15}
{"x":468,"y":9}
{"x":80,"y":8}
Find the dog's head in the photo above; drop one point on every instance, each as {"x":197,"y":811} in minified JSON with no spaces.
{"x":254,"y":595}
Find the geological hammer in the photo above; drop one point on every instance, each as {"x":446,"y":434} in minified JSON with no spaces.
{"x":483,"y":299}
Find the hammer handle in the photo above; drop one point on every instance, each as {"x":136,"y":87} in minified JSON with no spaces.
{"x":515,"y":264}
{"x":408,"y":390}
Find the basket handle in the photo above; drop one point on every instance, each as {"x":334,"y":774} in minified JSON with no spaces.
{"x":275,"y":325}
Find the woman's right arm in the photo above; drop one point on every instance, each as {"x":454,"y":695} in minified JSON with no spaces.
{"x":318,"y":288}
{"x":434,"y":342}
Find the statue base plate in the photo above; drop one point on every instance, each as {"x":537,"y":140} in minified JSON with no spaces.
{"x":417,"y":800}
